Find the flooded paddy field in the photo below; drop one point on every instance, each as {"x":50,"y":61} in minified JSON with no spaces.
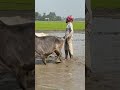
{"x":68,"y":75}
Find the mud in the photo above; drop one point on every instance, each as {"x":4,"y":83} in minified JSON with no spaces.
{"x":68,"y":75}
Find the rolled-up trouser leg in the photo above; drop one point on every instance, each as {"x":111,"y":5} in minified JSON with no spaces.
{"x":66,"y":54}
{"x":70,"y":48}
{"x":66,"y":49}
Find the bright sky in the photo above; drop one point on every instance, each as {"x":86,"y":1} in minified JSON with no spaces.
{"x":62,"y":8}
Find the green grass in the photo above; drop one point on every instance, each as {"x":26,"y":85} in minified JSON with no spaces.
{"x":57,"y":25}
{"x":16,"y":4}
{"x":110,"y":4}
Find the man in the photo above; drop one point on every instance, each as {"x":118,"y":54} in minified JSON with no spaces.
{"x":68,"y":37}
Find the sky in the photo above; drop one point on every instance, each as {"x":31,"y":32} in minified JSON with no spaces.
{"x":62,"y":8}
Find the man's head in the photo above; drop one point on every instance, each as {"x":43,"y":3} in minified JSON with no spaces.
{"x":69,"y":19}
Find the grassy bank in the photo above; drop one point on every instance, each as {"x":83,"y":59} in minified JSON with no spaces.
{"x":57,"y":25}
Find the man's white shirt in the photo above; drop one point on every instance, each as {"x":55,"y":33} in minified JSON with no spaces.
{"x":69,"y":30}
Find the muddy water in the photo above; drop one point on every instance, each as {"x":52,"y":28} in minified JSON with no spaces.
{"x":68,"y":75}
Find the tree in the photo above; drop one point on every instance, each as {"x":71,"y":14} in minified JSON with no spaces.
{"x":36,"y":15}
{"x":44,"y":14}
{"x":43,"y":17}
{"x":51,"y":16}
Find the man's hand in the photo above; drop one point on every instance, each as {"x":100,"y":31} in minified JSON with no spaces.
{"x":64,"y":37}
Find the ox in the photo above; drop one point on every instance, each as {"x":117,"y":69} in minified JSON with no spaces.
{"x":17,"y":50}
{"x":46,"y":45}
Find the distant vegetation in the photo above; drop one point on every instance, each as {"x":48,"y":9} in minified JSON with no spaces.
{"x":58,"y":25}
{"x":52,"y":17}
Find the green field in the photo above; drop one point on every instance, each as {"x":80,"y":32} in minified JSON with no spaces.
{"x":57,"y":25}
{"x":110,"y":4}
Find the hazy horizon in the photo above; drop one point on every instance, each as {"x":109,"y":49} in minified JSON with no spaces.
{"x":61,"y":7}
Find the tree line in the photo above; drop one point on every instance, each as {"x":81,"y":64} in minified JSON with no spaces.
{"x":52,"y":17}
{"x":47,"y":17}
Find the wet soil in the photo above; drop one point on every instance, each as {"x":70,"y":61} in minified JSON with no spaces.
{"x":67,"y":75}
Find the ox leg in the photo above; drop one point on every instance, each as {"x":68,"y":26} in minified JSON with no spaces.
{"x":59,"y":54}
{"x":44,"y":60}
{"x":66,"y":54}
{"x":71,"y":56}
